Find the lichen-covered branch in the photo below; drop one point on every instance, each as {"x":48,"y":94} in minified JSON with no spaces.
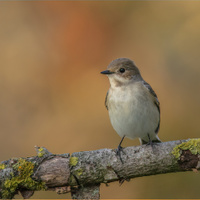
{"x":83,"y":172}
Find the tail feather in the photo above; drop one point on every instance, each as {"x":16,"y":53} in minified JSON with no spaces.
{"x":156,"y":140}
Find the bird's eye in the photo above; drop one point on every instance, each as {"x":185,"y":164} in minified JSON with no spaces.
{"x":122,"y":70}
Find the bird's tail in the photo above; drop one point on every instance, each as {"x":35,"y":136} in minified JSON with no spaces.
{"x":155,"y":140}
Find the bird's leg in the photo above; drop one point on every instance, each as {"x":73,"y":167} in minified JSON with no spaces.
{"x":120,"y":148}
{"x":150,"y":141}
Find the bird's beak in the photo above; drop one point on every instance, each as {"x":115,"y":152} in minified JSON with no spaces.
{"x":107,"y":72}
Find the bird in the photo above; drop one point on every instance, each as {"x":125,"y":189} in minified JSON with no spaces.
{"x":132,"y":104}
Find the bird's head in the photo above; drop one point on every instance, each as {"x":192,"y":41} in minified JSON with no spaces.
{"x":122,"y":71}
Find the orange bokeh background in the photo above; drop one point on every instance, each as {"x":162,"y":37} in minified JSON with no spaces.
{"x":52,"y":92}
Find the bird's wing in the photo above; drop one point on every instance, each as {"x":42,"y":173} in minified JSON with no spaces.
{"x":106,"y":99}
{"x":157,"y":103}
{"x":152,"y":93}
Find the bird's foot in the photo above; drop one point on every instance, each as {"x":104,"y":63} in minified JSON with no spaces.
{"x":121,"y":180}
{"x":150,"y":142}
{"x":119,"y":150}
{"x":153,"y":143}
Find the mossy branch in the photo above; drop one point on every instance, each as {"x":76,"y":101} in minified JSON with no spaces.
{"x":83,"y":172}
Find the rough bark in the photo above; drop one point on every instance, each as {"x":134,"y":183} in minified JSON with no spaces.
{"x":86,"y":192}
{"x":83,"y":172}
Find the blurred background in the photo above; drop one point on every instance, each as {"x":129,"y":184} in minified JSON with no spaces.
{"x":52,"y":92}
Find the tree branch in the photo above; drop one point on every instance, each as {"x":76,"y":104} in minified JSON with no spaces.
{"x":83,"y":172}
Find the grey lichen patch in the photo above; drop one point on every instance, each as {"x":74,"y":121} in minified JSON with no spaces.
{"x":110,"y":174}
{"x":193,"y":145}
{"x":21,"y":178}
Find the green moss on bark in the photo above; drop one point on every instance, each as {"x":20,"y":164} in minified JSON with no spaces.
{"x":21,"y":179}
{"x":193,"y":145}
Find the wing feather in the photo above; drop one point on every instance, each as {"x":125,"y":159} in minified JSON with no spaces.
{"x":156,"y":101}
{"x":106,"y":99}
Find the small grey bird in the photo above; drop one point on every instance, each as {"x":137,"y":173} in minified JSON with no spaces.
{"x":133,"y":106}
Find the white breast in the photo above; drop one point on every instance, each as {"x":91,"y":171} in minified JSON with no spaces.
{"x":132,"y":111}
